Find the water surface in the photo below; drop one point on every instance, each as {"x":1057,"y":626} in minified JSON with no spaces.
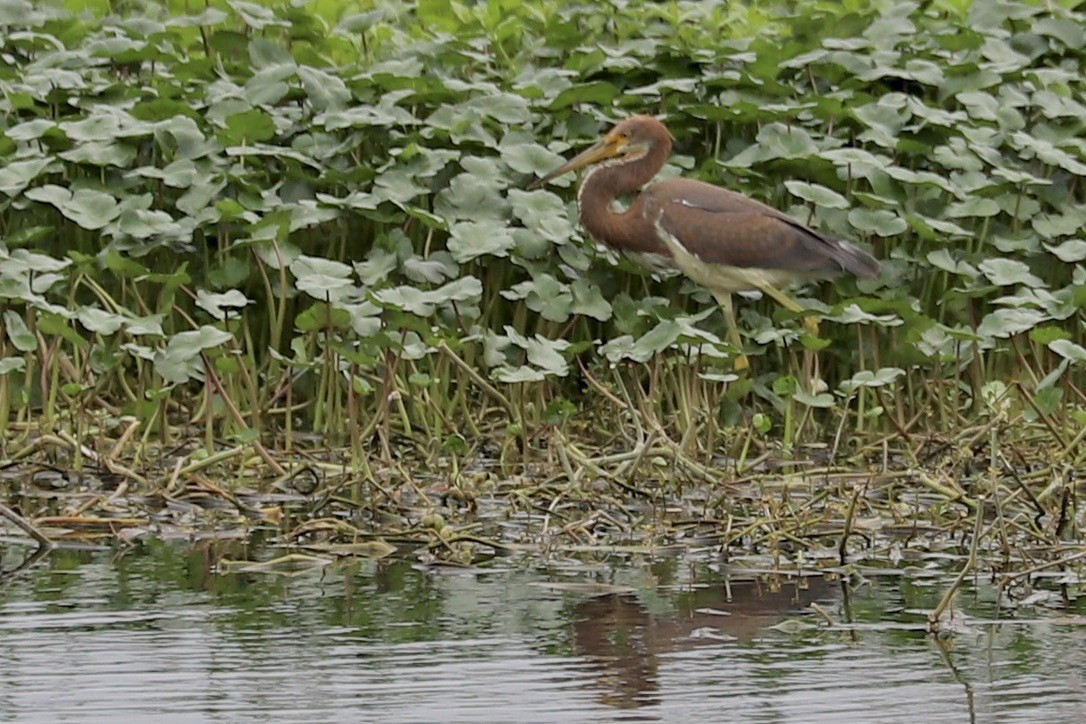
{"x":154,"y":633}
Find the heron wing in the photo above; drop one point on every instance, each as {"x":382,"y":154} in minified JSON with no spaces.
{"x":723,"y":227}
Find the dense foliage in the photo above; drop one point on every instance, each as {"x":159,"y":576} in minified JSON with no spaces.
{"x":262,"y":216}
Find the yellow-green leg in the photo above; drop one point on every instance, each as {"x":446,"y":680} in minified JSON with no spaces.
{"x":791,"y":305}
{"x":725,"y":300}
{"x":810,"y":357}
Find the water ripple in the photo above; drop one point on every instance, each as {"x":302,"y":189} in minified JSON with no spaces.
{"x":495,"y":649}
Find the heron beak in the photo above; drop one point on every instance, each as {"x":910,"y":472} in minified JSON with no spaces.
{"x":605,"y":149}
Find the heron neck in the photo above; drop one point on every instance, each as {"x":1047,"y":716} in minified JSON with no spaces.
{"x":629,"y":230}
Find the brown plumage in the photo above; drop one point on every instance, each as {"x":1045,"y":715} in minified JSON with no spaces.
{"x":719,"y":238}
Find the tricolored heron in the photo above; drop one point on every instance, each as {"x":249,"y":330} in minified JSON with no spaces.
{"x":719,"y":238}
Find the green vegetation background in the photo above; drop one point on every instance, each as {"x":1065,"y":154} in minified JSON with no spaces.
{"x":278,"y":216}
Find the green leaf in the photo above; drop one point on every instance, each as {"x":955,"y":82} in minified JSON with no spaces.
{"x":1018,"y":176}
{"x":18,"y":333}
{"x":980,"y":105}
{"x":101,"y":153}
{"x":785,"y":385}
{"x":1049,"y":381}
{"x":589,"y":300}
{"x":360,"y":200}
{"x":546,"y":355}
{"x":256,"y":16}
{"x":377,"y":267}
{"x":656,"y":340}
{"x":943,"y":259}
{"x":822,"y":399}
{"x":359,"y":22}
{"x":1008,"y":272}
{"x":439,"y":267}
{"x":856,"y":161}
{"x":88,"y":208}
{"x":598,"y":94}
{"x":99,"y":321}
{"x":1068,"y":350}
{"x":880,"y":222}
{"x":365,"y":318}
{"x":866,"y":378}
{"x":511,"y":375}
{"x":246,"y":127}
{"x":471,"y":197}
{"x":1004,"y":323}
{"x":56,"y":324}
{"x":543,"y":213}
{"x":180,"y":361}
{"x":1071,"y":34}
{"x":1048,"y":152}
{"x":1047,"y":399}
{"x":884,"y":120}
{"x":30,"y":130}
{"x":103,"y":126}
{"x":322,"y":279}
{"x":505,"y":108}
{"x":529,"y":158}
{"x":322,"y":317}
{"x":325,"y":91}
{"x":974,"y":206}
{"x":1053,"y":226}
{"x":144,"y":224}
{"x":221,"y":305}
{"x":17,"y":175}
{"x":920,"y":178}
{"x":817,"y":194}
{"x":423,"y":303}
{"x":150,"y":325}
{"x":469,"y":240}
{"x":1048,"y":333}
{"x":12,"y":364}
{"x":1069,"y":251}
{"x":545,"y":295}
{"x":853,"y":314}
{"x":777,"y":141}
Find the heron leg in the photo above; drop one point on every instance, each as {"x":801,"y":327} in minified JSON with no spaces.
{"x":810,"y":357}
{"x":791,"y":305}
{"x":725,"y":300}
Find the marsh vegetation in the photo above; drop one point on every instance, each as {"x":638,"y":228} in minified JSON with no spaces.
{"x":274,"y":266}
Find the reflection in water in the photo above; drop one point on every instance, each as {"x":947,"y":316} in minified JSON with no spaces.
{"x":152,"y":632}
{"x":625,"y":642}
{"x":8,"y":574}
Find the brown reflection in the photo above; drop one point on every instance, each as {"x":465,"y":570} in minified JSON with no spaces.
{"x":623,"y":641}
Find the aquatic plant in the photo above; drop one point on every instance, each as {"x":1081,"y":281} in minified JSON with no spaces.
{"x":268,"y":219}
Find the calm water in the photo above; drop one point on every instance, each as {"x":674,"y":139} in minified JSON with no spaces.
{"x":154,"y":634}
